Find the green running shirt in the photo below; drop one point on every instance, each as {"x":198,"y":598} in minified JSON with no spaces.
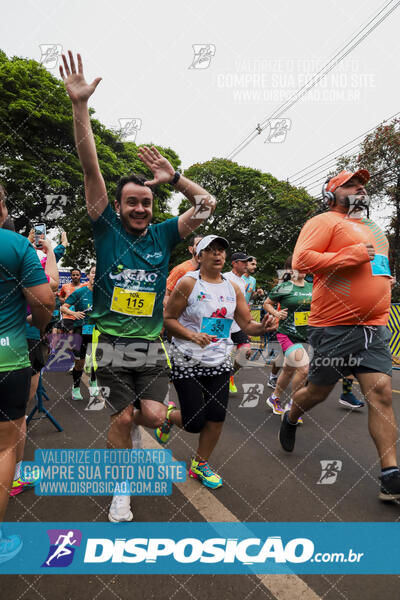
{"x":131,"y":274}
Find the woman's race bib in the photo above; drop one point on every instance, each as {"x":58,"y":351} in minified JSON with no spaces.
{"x":219,"y":328}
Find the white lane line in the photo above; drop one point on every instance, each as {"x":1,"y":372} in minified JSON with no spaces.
{"x":283,"y":587}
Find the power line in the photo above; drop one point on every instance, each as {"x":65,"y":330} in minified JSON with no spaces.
{"x":323,"y":172}
{"x":345,"y":46}
{"x":317,"y":182}
{"x":310,"y":84}
{"x":337,"y":149}
{"x":282,"y":108}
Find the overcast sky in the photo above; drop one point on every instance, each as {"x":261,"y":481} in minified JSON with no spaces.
{"x":263,"y":51}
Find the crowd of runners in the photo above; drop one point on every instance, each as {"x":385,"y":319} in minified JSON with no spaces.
{"x":191,"y":328}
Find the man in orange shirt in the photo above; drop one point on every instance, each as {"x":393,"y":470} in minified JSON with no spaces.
{"x":348,"y":255}
{"x":66,"y":291}
{"x":183,"y":268}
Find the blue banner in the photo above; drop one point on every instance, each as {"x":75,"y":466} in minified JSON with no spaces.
{"x":203,"y":548}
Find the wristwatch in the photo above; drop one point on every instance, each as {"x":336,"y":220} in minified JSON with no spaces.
{"x":175,"y":178}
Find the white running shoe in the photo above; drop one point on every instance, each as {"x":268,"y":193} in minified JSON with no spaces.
{"x":93,"y":389}
{"x":96,"y":403}
{"x":120,"y":509}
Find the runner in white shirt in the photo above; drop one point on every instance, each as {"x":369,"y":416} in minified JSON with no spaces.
{"x":199,"y":315}
{"x":238,"y":337}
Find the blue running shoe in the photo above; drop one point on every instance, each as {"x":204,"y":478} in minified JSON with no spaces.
{"x":350,"y":401}
{"x":9,"y":547}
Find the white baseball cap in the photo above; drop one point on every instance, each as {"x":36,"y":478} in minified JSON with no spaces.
{"x":206,"y":241}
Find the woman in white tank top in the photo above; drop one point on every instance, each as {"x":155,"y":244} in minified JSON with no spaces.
{"x":199,"y":315}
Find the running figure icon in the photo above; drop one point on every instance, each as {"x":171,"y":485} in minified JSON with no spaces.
{"x":62,"y":549}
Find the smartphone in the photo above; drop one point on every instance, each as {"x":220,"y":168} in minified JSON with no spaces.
{"x":40,"y":233}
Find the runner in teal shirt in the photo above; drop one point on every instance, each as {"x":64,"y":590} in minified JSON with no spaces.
{"x":21,"y":277}
{"x":17,"y":256}
{"x":82,"y":301}
{"x":131,"y":273}
{"x":250,"y":283}
{"x":131,"y":276}
{"x":251,"y":291}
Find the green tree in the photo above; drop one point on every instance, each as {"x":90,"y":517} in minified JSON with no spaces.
{"x":256,"y":212}
{"x":39,"y":159}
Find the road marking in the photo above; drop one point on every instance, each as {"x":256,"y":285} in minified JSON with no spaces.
{"x":283,"y":587}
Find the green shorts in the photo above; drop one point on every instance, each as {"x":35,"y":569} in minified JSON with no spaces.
{"x":131,"y":370}
{"x":348,"y":349}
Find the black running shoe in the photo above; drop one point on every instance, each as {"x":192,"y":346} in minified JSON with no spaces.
{"x":390,"y":486}
{"x":287,"y":433}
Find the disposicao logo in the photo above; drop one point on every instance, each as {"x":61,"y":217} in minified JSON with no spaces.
{"x":191,"y":550}
{"x":62,"y":547}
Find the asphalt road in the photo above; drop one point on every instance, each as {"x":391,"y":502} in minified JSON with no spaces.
{"x":261,"y":483}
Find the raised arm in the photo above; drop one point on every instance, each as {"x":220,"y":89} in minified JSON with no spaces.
{"x":203,"y":204}
{"x":51,"y":268}
{"x":79,"y":92}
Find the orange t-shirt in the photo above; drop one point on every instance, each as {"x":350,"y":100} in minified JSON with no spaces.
{"x":345,"y":292}
{"x":178,"y":272}
{"x":66,"y":291}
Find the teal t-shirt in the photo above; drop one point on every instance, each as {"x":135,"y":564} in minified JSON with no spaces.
{"x":297,"y":299}
{"x":131,"y":275}
{"x":81,"y":300}
{"x":19,"y":268}
{"x":250,"y":283}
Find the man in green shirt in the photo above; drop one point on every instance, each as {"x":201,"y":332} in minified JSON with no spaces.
{"x":22,"y":280}
{"x":131,"y":271}
{"x":294,"y":299}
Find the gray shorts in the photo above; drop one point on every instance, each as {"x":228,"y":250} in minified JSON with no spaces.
{"x":348,"y":349}
{"x":125,"y":384}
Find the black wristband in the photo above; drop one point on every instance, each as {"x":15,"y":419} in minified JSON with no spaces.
{"x":175,"y":178}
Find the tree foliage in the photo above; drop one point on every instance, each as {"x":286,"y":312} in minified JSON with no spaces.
{"x":256,"y":212}
{"x":39,"y":158}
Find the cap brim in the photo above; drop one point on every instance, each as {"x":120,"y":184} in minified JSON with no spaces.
{"x":224,"y":242}
{"x":362,"y":174}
